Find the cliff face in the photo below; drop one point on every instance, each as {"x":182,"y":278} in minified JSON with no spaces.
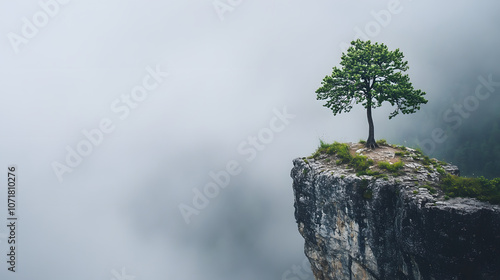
{"x":362,"y":227}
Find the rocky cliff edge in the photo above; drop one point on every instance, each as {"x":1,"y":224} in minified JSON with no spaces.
{"x":393,"y":224}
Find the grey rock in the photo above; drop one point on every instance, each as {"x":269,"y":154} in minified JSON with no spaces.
{"x":359,"y":227}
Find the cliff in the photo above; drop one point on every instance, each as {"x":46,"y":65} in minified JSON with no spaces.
{"x":394,"y":223}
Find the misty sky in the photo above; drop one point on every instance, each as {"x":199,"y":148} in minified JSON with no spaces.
{"x":236,"y":70}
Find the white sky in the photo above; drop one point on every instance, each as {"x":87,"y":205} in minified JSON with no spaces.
{"x":119,"y":206}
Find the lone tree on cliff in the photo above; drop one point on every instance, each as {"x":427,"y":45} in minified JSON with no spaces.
{"x":370,"y":74}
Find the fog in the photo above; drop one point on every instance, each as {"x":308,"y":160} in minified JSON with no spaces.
{"x":237,"y":71}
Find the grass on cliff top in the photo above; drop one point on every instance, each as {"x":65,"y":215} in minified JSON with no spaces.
{"x":480,"y":188}
{"x":359,"y":163}
{"x":394,"y":168}
{"x":452,"y":186}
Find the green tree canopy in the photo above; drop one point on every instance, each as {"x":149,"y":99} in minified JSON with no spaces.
{"x":370,"y":74}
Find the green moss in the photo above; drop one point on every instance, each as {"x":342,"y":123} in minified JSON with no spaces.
{"x":415,"y":192}
{"x":361,"y":163}
{"x":330,"y":149}
{"x":364,"y":183}
{"x":382,"y":142}
{"x":343,"y":153}
{"x":368,"y":172}
{"x":375,"y":174}
{"x":367,"y":193}
{"x":383,"y":176}
{"x":429,"y":168}
{"x":480,"y":188}
{"x":341,"y":150}
{"x":431,"y":189}
{"x":394,"y":168}
{"x":440,"y":170}
{"x":426,"y":160}
{"x":362,"y":142}
{"x":323,"y":145}
{"x":305,"y":171}
{"x":399,"y":154}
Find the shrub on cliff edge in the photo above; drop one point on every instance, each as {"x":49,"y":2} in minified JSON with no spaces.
{"x":480,"y":188}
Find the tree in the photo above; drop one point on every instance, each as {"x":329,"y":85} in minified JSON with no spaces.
{"x":370,"y":74}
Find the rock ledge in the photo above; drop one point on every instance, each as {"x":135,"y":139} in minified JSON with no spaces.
{"x":362,"y":227}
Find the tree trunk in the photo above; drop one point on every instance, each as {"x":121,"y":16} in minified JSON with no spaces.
{"x":370,"y":143}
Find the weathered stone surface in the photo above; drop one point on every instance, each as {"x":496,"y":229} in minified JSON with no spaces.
{"x":359,"y":227}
